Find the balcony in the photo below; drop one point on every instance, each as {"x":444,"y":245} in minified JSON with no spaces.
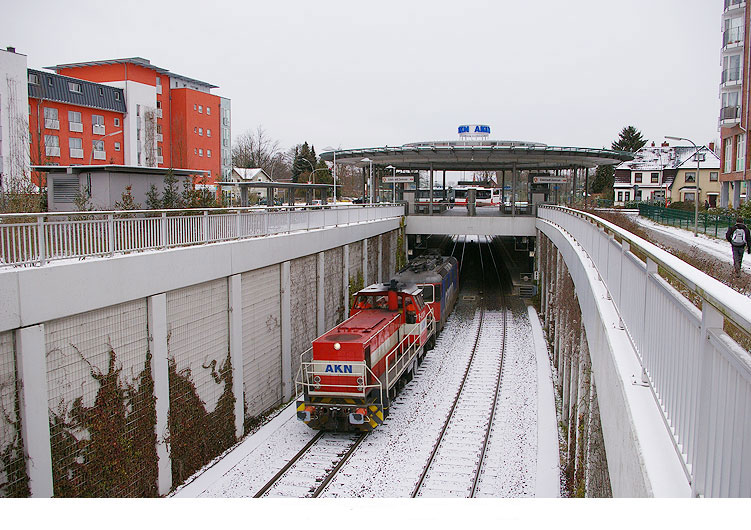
{"x":76,"y":153}
{"x":731,"y":76}
{"x":52,"y":151}
{"x":158,"y":113}
{"x":159,"y":159}
{"x":732,"y":36}
{"x":159,"y":137}
{"x":75,"y":126}
{"x":734,"y":4}
{"x":98,"y":129}
{"x":730,"y":115}
{"x":52,"y":124}
{"x":159,"y":89}
{"x":225,"y":121}
{"x":100,"y":155}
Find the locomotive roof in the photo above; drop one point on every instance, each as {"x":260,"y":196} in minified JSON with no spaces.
{"x":428,"y":268}
{"x":402,"y":287}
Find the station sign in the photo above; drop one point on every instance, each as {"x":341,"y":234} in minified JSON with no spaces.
{"x":548,"y":179}
{"x":474,"y":130}
{"x":398,"y":179}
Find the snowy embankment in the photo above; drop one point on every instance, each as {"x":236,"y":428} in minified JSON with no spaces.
{"x":389,"y":461}
{"x":718,"y":248}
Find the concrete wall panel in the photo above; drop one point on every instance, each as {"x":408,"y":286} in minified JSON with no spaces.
{"x":333,"y":298}
{"x":303,"y":274}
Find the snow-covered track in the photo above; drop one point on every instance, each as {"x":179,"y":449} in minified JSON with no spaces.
{"x":313,"y":467}
{"x":456,"y":462}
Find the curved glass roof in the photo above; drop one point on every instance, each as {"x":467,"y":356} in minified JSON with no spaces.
{"x":479,"y":155}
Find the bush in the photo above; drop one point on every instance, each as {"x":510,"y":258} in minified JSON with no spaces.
{"x":680,"y":205}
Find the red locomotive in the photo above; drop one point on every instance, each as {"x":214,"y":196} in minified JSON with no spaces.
{"x":357,"y":368}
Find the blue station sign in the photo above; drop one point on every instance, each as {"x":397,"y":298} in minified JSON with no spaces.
{"x":474,"y":130}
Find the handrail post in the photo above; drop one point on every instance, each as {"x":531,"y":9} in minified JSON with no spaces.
{"x":205,"y":226}
{"x":111,"y":233}
{"x":163,"y":226}
{"x":238,"y":224}
{"x":41,"y":243}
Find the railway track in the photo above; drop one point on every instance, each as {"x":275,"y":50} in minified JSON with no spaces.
{"x":308,"y":473}
{"x":456,"y":462}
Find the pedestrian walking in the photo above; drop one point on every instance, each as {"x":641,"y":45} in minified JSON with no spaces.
{"x":740,"y":240}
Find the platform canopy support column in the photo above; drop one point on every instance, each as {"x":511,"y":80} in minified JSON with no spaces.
{"x":514,"y":177}
{"x":430,"y":193}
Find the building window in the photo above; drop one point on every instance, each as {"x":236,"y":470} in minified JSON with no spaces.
{"x":728,"y":158}
{"x":655,"y":178}
{"x":208,"y":153}
{"x":208,"y":131}
{"x":158,"y":104}
{"x":688,"y":197}
{"x":76,"y":147}
{"x":51,"y":120}
{"x":98,"y":145}
{"x":117,"y":146}
{"x":195,"y":107}
{"x":200,"y":152}
{"x":195,"y":150}
{"x":52,"y":145}
{"x":117,"y":96}
{"x":117,"y":122}
{"x":740,"y":152}
{"x":200,"y":131}
{"x":200,"y":109}
{"x":74,"y":87}
{"x":208,"y":111}
{"x":159,"y":128}
{"x":627,"y":196}
{"x":714,"y":176}
{"x":74,"y":121}
{"x":690,"y":176}
{"x":637,"y":177}
{"x":158,"y":81}
{"x":138,"y":110}
{"x":33,"y":79}
{"x":101,"y":91}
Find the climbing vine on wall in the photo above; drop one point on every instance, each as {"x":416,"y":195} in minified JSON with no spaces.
{"x":12,"y":461}
{"x":197,"y":436}
{"x":401,"y":258}
{"x":355,"y":286}
{"x":109,"y":449}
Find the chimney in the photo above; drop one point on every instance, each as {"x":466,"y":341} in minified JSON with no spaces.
{"x":653,"y":144}
{"x":11,"y":49}
{"x":665,"y":144}
{"x":711,"y":146}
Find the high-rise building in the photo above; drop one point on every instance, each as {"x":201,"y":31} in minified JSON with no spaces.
{"x":14,"y":129}
{"x":171,"y":120}
{"x":734,"y":103}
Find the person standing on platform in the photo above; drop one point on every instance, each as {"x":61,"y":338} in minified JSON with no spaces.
{"x":740,"y":240}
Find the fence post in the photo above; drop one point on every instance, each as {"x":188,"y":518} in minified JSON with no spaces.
{"x":238,"y":224}
{"x":205,"y":226}
{"x":41,"y":243}
{"x":164,"y":229}
{"x":111,"y":233}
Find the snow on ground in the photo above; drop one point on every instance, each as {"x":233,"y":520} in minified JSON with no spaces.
{"x":718,"y":248}
{"x":511,"y":458}
{"x":390,"y":460}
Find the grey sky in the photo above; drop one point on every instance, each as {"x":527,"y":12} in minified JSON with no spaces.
{"x":356,"y":74}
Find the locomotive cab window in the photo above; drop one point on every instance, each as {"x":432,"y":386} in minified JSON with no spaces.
{"x":372,"y":302}
{"x":428,"y":293}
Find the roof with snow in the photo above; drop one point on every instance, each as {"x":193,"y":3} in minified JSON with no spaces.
{"x":490,"y":155}
{"x":256,"y":174}
{"x":678,"y":157}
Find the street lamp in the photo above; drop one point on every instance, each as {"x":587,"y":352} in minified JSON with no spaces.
{"x":333,"y":172}
{"x":102,"y":136}
{"x":698,"y":171}
{"x":370,"y":179}
{"x":393,"y":184}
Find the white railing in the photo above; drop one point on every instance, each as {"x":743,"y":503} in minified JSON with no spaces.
{"x":74,"y":126}
{"x":700,"y":376}
{"x":98,"y":129}
{"x":35,"y":239}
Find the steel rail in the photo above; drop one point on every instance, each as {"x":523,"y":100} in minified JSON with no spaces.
{"x":339,"y":465}
{"x":288,"y":465}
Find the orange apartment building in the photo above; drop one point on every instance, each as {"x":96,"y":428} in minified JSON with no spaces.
{"x":165,"y":119}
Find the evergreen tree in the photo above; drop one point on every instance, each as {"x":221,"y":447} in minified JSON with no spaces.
{"x":153,"y":202}
{"x":170,"y":197}
{"x":188,"y":196}
{"x":127,"y":202}
{"x":302,"y":165}
{"x":604,"y":179}
{"x":629,"y":139}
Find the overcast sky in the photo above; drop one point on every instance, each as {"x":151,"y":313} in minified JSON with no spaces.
{"x":355,"y":74}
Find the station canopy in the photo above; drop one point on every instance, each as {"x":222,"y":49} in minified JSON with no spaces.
{"x":479,"y":155}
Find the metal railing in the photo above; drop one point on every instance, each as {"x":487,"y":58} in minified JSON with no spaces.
{"x":733,"y":74}
{"x":730,"y":113}
{"x":712,"y":224}
{"x":700,"y":376}
{"x":38,"y":238}
{"x":733,"y":3}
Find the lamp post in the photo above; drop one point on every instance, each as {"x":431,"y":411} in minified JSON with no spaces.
{"x":393,"y":184}
{"x":698,"y":170}
{"x":333,"y":172}
{"x":370,"y":179}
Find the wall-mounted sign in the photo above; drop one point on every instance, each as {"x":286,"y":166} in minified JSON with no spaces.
{"x":474,"y":130}
{"x":398,"y":179}
{"x":548,"y":179}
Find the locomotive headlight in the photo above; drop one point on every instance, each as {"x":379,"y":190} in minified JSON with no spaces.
{"x":317,"y":379}
{"x":360,"y":380}
{"x":337,"y":346}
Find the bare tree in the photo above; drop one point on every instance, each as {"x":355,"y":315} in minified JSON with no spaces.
{"x":256,"y":149}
